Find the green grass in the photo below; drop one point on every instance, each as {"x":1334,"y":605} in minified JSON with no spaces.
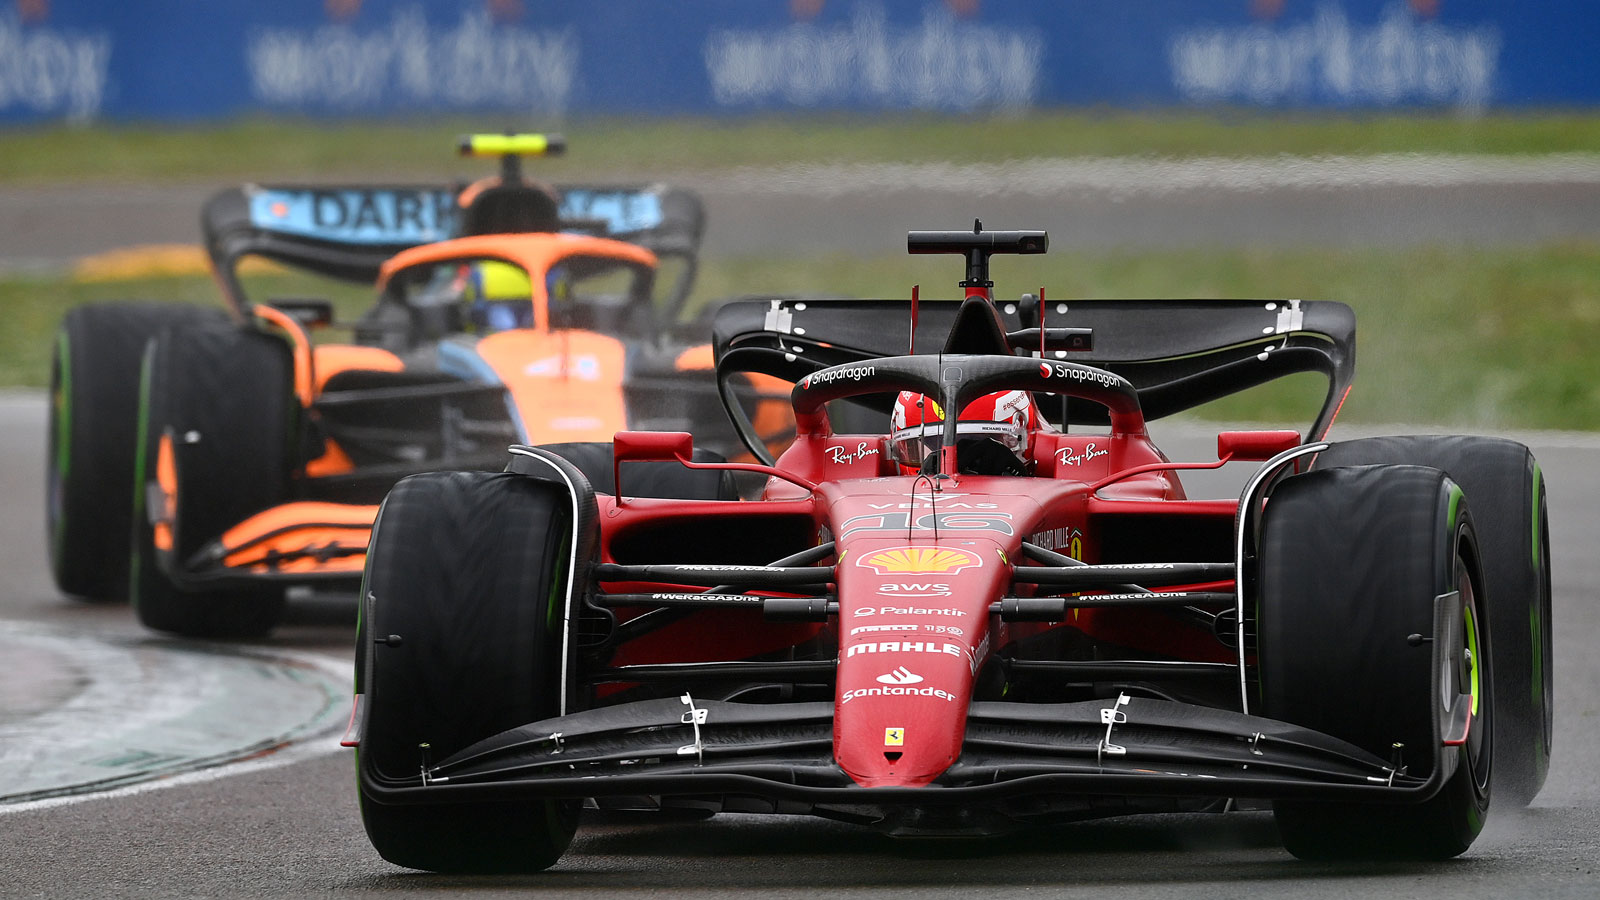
{"x":279,"y":149}
{"x":1463,"y":338}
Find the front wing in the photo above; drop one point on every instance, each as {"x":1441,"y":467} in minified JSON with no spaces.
{"x":1020,"y":761}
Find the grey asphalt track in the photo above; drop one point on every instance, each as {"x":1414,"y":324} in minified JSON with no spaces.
{"x":285,"y":825}
{"x":288,"y":826}
{"x":1090,"y":205}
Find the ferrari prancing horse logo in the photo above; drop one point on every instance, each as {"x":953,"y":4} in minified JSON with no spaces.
{"x":894,"y":737}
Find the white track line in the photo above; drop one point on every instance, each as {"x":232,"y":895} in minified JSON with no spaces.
{"x":308,"y":740}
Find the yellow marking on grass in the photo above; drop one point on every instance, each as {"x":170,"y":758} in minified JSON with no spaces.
{"x":155,"y":261}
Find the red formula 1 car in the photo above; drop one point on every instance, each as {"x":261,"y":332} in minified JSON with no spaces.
{"x":999,"y":610}
{"x":252,"y":453}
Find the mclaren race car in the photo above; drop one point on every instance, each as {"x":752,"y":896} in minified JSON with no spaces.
{"x":246,"y":454}
{"x":999,"y":610}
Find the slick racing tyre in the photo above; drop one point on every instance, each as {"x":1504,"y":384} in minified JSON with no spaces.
{"x":664,"y":480}
{"x":1505,"y":486}
{"x":465,"y":586}
{"x":1351,"y":561}
{"x":217,"y":415}
{"x":94,"y":401}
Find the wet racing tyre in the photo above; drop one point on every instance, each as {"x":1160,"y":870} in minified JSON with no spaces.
{"x":466,"y":588}
{"x":94,"y":401}
{"x":217,"y":416}
{"x":1350,"y":563}
{"x":1506,"y":488}
{"x":664,"y":480}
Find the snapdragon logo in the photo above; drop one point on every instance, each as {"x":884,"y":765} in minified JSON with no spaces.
{"x":1400,"y":59}
{"x":939,"y":64}
{"x":52,"y":71}
{"x":1086,"y":374}
{"x":474,"y":63}
{"x":828,"y":376}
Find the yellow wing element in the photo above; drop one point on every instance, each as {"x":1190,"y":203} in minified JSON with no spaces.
{"x":512,"y":145}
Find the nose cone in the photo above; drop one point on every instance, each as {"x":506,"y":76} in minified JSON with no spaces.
{"x":914,"y":626}
{"x":901,"y":718}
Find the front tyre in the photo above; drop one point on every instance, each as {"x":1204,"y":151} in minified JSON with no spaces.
{"x":1351,"y":561}
{"x":1506,"y":487}
{"x":469,"y":570}
{"x":217,"y":415}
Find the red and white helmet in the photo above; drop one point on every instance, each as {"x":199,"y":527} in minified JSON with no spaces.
{"x":916,"y":425}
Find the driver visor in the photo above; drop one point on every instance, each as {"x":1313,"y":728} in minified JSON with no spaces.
{"x":910,"y":446}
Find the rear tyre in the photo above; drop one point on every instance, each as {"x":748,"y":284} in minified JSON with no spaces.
{"x":94,"y":401}
{"x":664,"y":480}
{"x":469,"y":569}
{"x":216,"y":417}
{"x":1351,"y":560}
{"x":1506,"y":487}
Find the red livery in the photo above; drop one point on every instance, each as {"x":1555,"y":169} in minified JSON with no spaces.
{"x":966,"y":623}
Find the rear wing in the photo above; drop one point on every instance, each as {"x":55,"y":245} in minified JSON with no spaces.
{"x":1178,"y":354}
{"x":348,"y":231}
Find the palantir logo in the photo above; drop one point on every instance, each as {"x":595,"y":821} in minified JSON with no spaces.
{"x":901,"y":675}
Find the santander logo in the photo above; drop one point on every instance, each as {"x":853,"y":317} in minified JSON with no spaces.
{"x":901,"y":675}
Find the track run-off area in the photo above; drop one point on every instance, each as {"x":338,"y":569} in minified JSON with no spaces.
{"x":259,"y":801}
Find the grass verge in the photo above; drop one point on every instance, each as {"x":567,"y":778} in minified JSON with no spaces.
{"x":269,"y":149}
{"x":1465,"y":338}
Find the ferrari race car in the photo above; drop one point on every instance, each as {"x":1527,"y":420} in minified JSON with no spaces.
{"x":997,"y":611}
{"x":249,"y":456}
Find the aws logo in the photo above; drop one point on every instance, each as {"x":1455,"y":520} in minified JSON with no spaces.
{"x":914,"y":589}
{"x":919,"y":561}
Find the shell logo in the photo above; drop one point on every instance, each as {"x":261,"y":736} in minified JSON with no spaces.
{"x":919,"y":561}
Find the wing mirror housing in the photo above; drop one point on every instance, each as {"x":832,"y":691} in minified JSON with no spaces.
{"x":653,"y":446}
{"x":648,"y":446}
{"x":310,"y":313}
{"x":1255,"y":446}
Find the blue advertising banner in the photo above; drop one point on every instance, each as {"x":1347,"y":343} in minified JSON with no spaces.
{"x":174,"y":60}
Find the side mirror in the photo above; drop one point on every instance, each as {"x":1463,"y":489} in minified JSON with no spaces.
{"x":1255,"y":446}
{"x":309,"y":313}
{"x":648,"y":446}
{"x":658,"y":446}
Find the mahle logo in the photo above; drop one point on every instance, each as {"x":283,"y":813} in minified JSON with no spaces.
{"x":919,"y":561}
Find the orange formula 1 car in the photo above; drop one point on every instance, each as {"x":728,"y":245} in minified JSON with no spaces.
{"x":245,"y":457}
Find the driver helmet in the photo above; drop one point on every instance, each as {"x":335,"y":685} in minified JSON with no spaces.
{"x":498,"y":294}
{"x":991,"y":433}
